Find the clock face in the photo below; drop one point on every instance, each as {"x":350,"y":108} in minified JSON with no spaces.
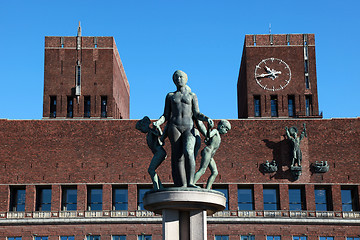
{"x":272,"y":74}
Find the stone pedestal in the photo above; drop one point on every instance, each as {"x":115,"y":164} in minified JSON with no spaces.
{"x":184,"y":210}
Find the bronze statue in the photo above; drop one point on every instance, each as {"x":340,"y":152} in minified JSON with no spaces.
{"x":295,"y":142}
{"x":212,"y":141}
{"x":156,"y":145}
{"x":181,"y":109}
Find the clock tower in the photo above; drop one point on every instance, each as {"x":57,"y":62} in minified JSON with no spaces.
{"x":277,"y":77}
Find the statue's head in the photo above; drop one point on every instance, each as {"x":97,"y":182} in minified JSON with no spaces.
{"x":293,"y":131}
{"x":143,"y":124}
{"x":224,"y":126}
{"x":180,"y":78}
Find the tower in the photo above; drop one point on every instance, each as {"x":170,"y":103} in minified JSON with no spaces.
{"x":278,"y":77}
{"x":84,"y":78}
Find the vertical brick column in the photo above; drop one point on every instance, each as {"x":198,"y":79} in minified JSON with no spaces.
{"x":81,"y":197}
{"x":55,"y":198}
{"x":30,"y":198}
{"x":258,"y":197}
{"x":336,"y":197}
{"x":284,"y":196}
{"x":233,"y":197}
{"x":310,"y":197}
{"x":4,"y":198}
{"x":107,"y":196}
{"x":132,"y":197}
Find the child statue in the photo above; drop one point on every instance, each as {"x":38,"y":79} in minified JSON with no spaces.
{"x":156,"y":146}
{"x":212,"y":141}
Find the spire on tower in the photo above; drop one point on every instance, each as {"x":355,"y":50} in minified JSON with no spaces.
{"x":79,"y":30}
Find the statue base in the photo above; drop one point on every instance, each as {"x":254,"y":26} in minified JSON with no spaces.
{"x":296,"y":171}
{"x":184,"y":210}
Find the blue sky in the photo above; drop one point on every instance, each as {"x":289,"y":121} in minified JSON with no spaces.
{"x":202,"y":38}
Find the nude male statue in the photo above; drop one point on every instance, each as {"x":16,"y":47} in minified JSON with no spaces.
{"x":181,"y":109}
{"x":295,"y":142}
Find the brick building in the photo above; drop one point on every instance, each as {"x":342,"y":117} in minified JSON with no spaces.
{"x":84,"y":179}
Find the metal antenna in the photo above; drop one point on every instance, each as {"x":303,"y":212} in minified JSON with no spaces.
{"x":269,"y":28}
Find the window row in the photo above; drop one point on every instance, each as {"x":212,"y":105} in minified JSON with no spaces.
{"x":275,"y":237}
{"x":245,"y":196}
{"x":69,"y":198}
{"x":297,"y":200}
{"x":274,"y":105}
{"x":217,"y":237}
{"x":90,"y":237}
{"x":70,"y":106}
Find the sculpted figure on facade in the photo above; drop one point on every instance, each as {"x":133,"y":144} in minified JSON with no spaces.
{"x":156,"y":146}
{"x":292,"y":135}
{"x":181,"y":110}
{"x":212,"y":141}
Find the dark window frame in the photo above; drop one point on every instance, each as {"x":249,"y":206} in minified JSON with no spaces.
{"x":268,"y":204}
{"x":92,"y":204}
{"x":117,"y":202}
{"x":294,"y":203}
{"x":320,"y":201}
{"x":65,"y":204}
{"x":246,"y":202}
{"x":274,"y":106}
{"x":41,"y":203}
{"x":15,"y":204}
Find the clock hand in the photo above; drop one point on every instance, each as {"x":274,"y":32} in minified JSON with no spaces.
{"x":267,"y":69}
{"x":264,"y":75}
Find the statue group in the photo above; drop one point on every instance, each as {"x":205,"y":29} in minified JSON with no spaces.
{"x":181,"y":115}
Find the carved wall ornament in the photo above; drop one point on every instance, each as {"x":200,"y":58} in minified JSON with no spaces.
{"x":320,"y":167}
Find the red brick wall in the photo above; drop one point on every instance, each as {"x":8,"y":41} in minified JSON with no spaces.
{"x":56,"y":153}
{"x":114,"y":152}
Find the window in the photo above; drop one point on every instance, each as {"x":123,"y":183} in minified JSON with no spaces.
{"x":245,"y":198}
{"x":307,"y":82}
{"x":144,"y":237}
{"x":17,"y":199}
{"x":223,"y":190}
{"x":257,"y":106}
{"x":274,"y":106}
{"x":271,"y":197}
{"x":248,"y":237}
{"x":299,"y":238}
{"x":308,"y":105}
{"x":141,"y":193}
{"x":296,"y":199}
{"x":87,"y":106}
{"x":273,"y":238}
{"x":306,"y":65}
{"x":94,"y":198}
{"x":70,"y":107}
{"x":322,"y":199}
{"x":120,"y":199}
{"x":291,"y":105}
{"x":348,"y":200}
{"x":93,"y":237}
{"x":78,"y":75}
{"x":41,"y":238}
{"x":221,"y":237}
{"x":119,"y":237}
{"x":43,"y":199}
{"x":104,"y":106}
{"x":53,"y":106}
{"x":69,"y":199}
{"x":352,"y":238}
{"x":67,"y":238}
{"x":326,"y":238}
{"x":14,"y":238}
